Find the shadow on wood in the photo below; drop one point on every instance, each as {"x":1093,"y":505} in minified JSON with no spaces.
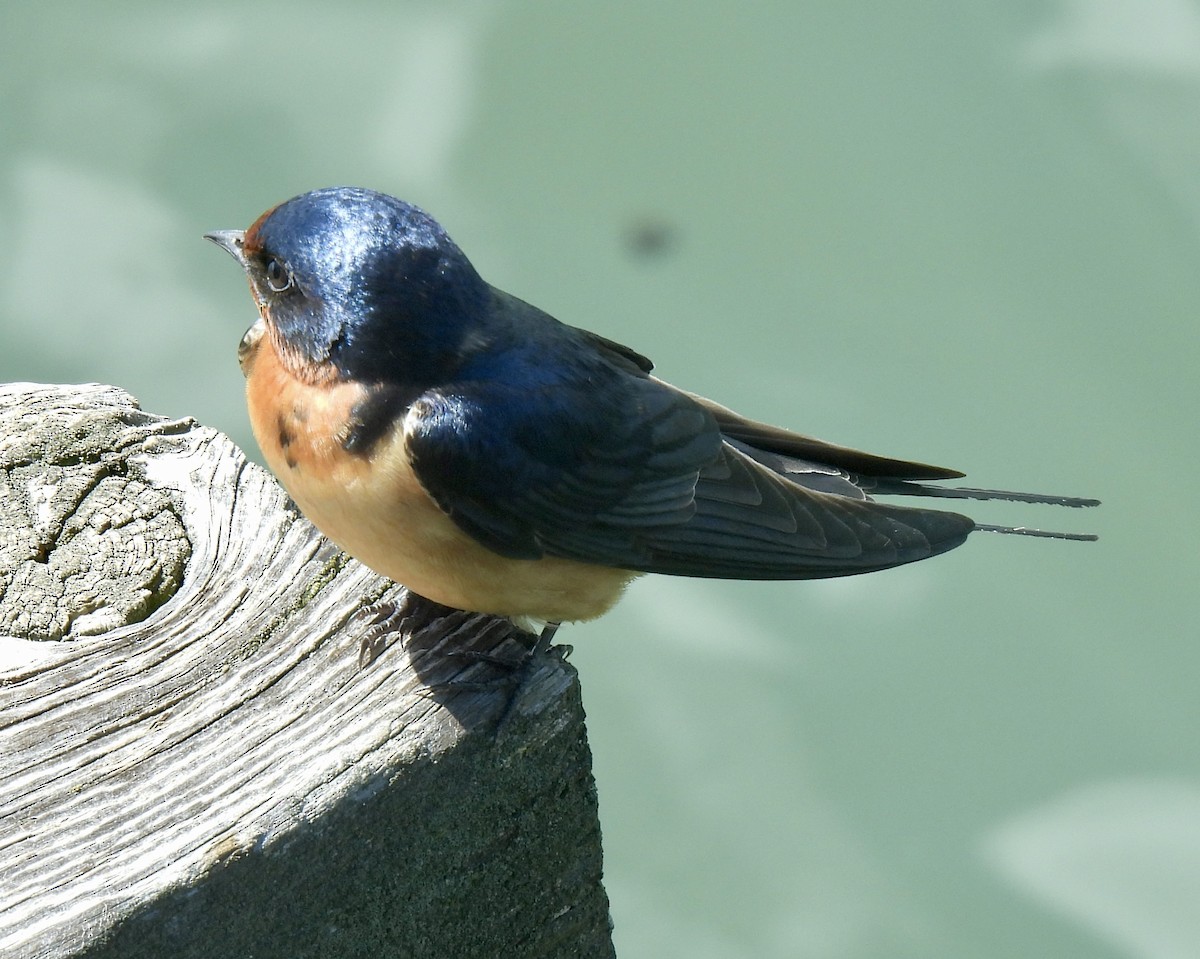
{"x":194,"y":763}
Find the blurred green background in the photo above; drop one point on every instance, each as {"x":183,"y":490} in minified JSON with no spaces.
{"x":963,"y":233}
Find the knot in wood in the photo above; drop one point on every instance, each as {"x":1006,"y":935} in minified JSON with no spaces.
{"x":87,"y":542}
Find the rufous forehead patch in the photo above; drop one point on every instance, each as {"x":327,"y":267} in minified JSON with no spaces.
{"x":252,"y":243}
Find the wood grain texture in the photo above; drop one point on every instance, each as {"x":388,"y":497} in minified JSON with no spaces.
{"x":194,"y":763}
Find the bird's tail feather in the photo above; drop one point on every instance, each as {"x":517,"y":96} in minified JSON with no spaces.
{"x":1029,"y":531}
{"x":908,"y":488}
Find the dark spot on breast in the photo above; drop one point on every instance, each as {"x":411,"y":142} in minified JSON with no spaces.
{"x":374,"y":417}
{"x":284,"y":433}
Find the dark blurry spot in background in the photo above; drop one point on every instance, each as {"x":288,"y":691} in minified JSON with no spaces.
{"x":650,"y":237}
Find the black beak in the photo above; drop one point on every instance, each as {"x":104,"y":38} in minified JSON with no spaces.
{"x":231,"y":242}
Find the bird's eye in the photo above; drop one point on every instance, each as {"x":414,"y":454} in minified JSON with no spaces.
{"x":279,"y":277}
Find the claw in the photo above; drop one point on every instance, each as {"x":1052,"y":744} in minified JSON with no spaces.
{"x":382,"y":620}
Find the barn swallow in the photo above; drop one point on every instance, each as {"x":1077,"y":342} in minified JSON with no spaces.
{"x":468,"y":445}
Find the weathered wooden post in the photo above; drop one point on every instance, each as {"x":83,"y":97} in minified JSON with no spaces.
{"x":193,"y":762}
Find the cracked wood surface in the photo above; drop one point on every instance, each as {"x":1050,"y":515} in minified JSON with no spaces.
{"x":193,"y":762}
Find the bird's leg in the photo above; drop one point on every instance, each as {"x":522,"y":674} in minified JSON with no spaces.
{"x":544,"y":638}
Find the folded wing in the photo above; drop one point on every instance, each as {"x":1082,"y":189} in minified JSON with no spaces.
{"x":616,"y":468}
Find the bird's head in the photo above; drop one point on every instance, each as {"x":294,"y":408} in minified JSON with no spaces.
{"x":360,"y":282}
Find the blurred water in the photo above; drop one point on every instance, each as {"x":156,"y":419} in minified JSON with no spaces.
{"x":962,"y":233}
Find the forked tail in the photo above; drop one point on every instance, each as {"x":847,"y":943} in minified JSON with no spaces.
{"x":909,"y":488}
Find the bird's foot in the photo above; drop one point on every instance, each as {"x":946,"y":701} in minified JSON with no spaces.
{"x":385,"y":618}
{"x":512,"y":672}
{"x":381,"y":620}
